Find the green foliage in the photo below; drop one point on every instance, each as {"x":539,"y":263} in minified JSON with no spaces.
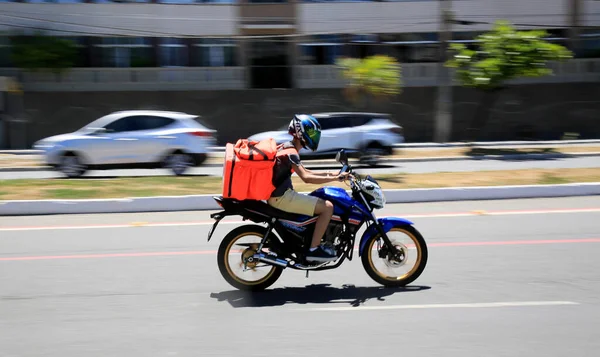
{"x":46,"y":53}
{"x":377,"y":76}
{"x":505,"y":54}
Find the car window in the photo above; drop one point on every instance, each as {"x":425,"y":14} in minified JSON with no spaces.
{"x":361,"y":120}
{"x":334,"y":122}
{"x":153,"y":122}
{"x":122,"y":125}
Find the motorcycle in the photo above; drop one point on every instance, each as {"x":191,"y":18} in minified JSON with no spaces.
{"x":261,"y":253}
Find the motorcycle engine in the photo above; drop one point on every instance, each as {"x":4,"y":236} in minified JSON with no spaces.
{"x":334,"y":230}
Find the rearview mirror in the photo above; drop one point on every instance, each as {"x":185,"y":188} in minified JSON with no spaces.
{"x":341,"y":157}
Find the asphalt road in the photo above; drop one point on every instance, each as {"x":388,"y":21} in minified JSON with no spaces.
{"x":520,"y":279}
{"x":403,"y":167}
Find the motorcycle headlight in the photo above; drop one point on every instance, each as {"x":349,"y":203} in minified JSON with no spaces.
{"x":375,"y":195}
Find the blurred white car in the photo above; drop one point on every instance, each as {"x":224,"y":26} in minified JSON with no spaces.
{"x":131,"y":139}
{"x":365,"y":135}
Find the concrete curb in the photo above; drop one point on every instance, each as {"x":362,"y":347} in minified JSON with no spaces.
{"x":328,"y":163}
{"x":406,"y":145}
{"x":206,"y":202}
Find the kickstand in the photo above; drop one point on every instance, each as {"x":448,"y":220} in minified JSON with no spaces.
{"x":307,"y":274}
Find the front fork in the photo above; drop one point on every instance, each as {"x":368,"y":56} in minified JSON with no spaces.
{"x":378,"y":226}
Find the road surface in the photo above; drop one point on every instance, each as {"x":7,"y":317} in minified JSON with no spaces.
{"x":505,"y":278}
{"x":404,"y":167}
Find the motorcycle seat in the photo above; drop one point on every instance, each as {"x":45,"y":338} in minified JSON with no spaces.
{"x":266,"y":209}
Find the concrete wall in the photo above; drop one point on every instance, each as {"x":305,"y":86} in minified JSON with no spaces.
{"x":548,"y":109}
{"x":422,"y":16}
{"x":140,"y":20}
{"x":590,"y":13}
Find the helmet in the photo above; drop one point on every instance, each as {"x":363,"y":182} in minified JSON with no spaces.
{"x":307,"y":129}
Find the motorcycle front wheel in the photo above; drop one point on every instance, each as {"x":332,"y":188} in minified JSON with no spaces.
{"x":401,"y":266}
{"x":235,"y":262}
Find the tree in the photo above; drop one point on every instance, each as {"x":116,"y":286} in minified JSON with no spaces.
{"x":503,"y":54}
{"x":374,"y":77}
{"x":39,"y":52}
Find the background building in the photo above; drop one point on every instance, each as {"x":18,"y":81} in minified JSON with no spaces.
{"x":229,"y":61}
{"x":221,"y":44}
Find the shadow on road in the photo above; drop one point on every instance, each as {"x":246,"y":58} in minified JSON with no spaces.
{"x":111,"y":177}
{"x":311,"y":294}
{"x":507,"y":154}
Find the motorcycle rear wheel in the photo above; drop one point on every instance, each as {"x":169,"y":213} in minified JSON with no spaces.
{"x":226,"y":268}
{"x":373,"y":249}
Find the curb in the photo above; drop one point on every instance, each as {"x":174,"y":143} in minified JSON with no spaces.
{"x":497,"y":143}
{"x":404,"y":145}
{"x":316,"y":163}
{"x":206,"y":202}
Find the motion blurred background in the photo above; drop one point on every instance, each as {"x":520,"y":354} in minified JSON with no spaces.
{"x":247,"y":66}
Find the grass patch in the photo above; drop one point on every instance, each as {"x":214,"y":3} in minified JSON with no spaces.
{"x":192,"y":185}
{"x":551,"y":179}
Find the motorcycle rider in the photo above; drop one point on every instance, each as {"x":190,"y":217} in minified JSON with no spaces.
{"x":306,"y":133}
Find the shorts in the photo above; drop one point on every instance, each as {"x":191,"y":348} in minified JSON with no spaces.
{"x":294,"y":202}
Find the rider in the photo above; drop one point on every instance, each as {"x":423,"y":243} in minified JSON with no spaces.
{"x":306,"y":133}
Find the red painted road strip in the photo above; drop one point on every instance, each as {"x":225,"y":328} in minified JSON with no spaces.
{"x":205,"y":252}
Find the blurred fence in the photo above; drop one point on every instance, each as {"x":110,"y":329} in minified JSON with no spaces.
{"x":219,"y":78}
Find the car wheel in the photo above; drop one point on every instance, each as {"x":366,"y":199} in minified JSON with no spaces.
{"x":71,"y":165}
{"x":372,"y":154}
{"x":179,"y":162}
{"x":200,"y":159}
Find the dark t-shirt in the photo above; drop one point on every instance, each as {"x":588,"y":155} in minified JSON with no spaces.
{"x":282,"y":171}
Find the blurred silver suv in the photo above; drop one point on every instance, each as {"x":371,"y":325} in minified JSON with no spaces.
{"x":365,"y":135}
{"x":131,"y":139}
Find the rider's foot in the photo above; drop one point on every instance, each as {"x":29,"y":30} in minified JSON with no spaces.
{"x":320,"y":255}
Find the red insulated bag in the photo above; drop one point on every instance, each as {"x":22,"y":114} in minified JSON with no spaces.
{"x":248,"y":169}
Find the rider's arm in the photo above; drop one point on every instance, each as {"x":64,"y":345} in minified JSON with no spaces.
{"x":320,"y":174}
{"x":310,"y":177}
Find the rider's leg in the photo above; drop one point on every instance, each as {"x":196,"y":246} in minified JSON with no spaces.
{"x":325,"y":210}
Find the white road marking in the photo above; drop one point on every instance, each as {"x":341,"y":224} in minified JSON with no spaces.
{"x":449,"y":306}
{"x":210,"y":223}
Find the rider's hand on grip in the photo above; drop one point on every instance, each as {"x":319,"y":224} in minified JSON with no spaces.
{"x":343,"y":176}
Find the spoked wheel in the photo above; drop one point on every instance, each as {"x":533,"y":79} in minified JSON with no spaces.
{"x":402,"y":265}
{"x":236,"y":264}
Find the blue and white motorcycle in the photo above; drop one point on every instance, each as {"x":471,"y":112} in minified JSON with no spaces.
{"x":252,"y":257}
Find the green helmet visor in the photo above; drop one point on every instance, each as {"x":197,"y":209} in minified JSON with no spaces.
{"x":312,"y":138}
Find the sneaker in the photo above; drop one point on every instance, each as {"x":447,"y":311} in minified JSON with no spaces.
{"x":320,"y":255}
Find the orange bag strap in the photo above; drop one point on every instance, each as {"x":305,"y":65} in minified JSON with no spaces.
{"x":287,"y":151}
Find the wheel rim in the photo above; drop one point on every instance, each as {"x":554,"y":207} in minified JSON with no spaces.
{"x":179,"y":163}
{"x":71,"y":166}
{"x":237,"y":255}
{"x":404,"y":264}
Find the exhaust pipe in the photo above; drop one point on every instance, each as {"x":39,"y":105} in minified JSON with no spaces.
{"x":271,"y":259}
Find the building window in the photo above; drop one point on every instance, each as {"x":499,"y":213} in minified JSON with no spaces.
{"x":173,"y":52}
{"x":324,"y":49}
{"x":5,"y":51}
{"x":214,"y":53}
{"x":266,"y":1}
{"x":125,"y":52}
{"x":196,"y":1}
{"x":54,"y":1}
{"x":589,"y":46}
{"x":412,"y":47}
{"x":119,"y":1}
